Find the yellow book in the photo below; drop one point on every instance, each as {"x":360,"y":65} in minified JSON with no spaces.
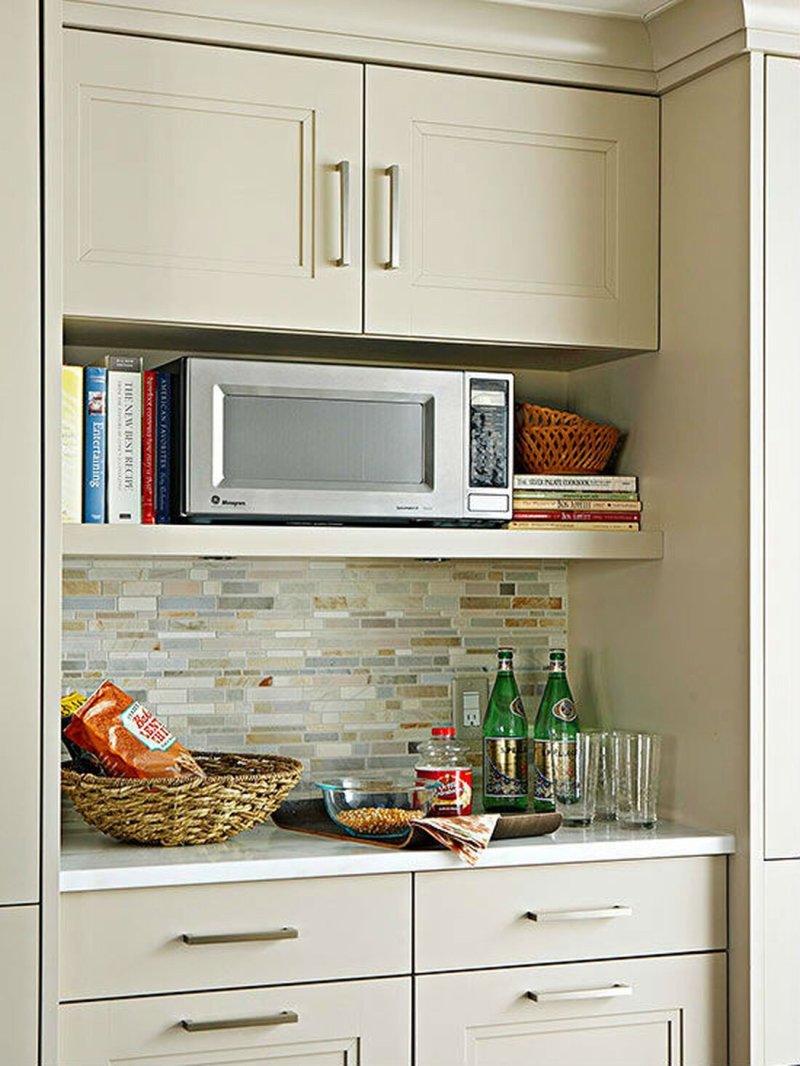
{"x":71,"y":442}
{"x":596,"y":527}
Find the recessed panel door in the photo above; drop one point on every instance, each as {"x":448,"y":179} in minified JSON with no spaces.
{"x":504,"y":211}
{"x":211,"y":185}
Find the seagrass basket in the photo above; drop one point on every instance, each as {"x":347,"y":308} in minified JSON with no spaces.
{"x":238,"y":792}
{"x":558,"y":442}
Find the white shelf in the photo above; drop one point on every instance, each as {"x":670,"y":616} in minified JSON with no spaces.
{"x":357,"y":542}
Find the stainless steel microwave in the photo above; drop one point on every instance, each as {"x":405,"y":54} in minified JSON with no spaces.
{"x":261,"y":441}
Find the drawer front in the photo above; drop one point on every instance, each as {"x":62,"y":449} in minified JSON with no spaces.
{"x":584,"y":911}
{"x":667,"y":1011}
{"x":360,"y":1022}
{"x":129,"y":942}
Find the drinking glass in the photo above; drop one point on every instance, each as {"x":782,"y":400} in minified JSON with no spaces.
{"x":606,"y":801}
{"x":637,"y":758}
{"x":575,"y":764}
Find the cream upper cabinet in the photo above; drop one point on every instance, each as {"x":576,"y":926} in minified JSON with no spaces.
{"x":782,"y":456}
{"x":667,"y":1011}
{"x":506,"y":211}
{"x":211,"y":185}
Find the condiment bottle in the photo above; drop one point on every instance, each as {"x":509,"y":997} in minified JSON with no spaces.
{"x":443,"y":764}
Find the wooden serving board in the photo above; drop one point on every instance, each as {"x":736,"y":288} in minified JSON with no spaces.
{"x":310,"y":816}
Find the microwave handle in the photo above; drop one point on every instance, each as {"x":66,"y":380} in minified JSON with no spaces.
{"x":393,"y":174}
{"x":344,"y":213}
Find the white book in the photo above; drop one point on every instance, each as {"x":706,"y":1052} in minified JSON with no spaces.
{"x":71,"y":443}
{"x":124,"y":443}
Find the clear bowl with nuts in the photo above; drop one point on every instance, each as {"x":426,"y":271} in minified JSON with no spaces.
{"x":375,"y":808}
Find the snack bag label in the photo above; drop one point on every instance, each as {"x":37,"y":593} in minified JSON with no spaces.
{"x":144,"y":725}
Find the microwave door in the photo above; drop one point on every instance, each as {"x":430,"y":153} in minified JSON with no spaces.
{"x":296,"y":442}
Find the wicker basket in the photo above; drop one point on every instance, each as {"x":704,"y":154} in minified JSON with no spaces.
{"x":238,"y":792}
{"x":557,"y":442}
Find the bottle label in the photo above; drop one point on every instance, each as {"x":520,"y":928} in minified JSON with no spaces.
{"x":565,"y":777}
{"x":564,"y":710}
{"x":505,"y":767}
{"x":543,"y":771}
{"x":516,"y":707}
{"x":453,"y":789}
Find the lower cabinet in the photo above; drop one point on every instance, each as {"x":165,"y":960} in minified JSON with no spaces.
{"x":781,"y":955}
{"x":19,"y":985}
{"x":353,"y":1023}
{"x":660,"y":1011}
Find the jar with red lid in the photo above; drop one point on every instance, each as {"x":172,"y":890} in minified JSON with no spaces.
{"x":442,"y":763}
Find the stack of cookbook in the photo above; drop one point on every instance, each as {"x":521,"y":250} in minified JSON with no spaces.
{"x":576,"y":501}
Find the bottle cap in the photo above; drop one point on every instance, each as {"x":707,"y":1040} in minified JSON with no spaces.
{"x":443,"y":731}
{"x":558,"y":653}
{"x":505,"y":653}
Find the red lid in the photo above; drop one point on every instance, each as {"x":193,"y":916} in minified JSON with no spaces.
{"x":443,"y":731}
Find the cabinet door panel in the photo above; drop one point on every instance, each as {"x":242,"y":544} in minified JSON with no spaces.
{"x":782,"y":451}
{"x":661,"y":1011}
{"x":19,"y":985}
{"x":359,"y":1023}
{"x":20,"y":428}
{"x":526,"y":212}
{"x":781,"y":956}
{"x":201,"y":184}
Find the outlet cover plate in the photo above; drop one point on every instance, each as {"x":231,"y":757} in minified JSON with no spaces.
{"x":470,"y":694}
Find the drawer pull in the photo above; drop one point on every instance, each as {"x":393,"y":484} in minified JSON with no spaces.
{"x":287,"y":933}
{"x":344,"y":218}
{"x":286,"y":1017}
{"x":581,"y":993}
{"x":579,"y":916}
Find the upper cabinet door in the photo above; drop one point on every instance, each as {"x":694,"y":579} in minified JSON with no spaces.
{"x":211,"y":185}
{"x":511,"y":212}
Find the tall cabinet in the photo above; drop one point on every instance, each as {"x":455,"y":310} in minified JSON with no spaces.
{"x":20,"y":532}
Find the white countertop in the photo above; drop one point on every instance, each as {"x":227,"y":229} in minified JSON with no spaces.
{"x":90,"y":860}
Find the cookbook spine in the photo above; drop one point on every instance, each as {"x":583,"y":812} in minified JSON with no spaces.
{"x":95,"y":392}
{"x":71,"y":442}
{"x":628,"y":527}
{"x":124,"y":440}
{"x":576,"y":482}
{"x":163,"y":447}
{"x":148,"y":447}
{"x":576,"y":516}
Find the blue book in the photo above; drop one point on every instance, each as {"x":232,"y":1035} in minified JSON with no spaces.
{"x":163,"y":433}
{"x":95,"y":392}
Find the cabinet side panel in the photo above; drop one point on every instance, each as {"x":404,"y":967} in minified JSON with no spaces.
{"x":664,"y":645}
{"x":20,"y":389}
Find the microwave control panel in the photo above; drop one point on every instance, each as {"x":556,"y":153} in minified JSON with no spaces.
{"x":489,"y":458}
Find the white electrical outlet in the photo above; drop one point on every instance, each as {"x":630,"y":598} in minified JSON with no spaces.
{"x":470,"y":695}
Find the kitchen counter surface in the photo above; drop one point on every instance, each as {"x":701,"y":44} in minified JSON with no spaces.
{"x":91,"y":861}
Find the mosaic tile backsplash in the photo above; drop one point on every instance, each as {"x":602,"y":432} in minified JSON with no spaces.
{"x":343,"y":664}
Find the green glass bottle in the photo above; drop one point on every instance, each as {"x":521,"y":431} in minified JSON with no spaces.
{"x":554,"y":734}
{"x":505,"y":742}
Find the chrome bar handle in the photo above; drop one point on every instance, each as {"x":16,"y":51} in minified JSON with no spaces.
{"x":393,"y":173}
{"x":617,"y":911}
{"x":344,"y":218}
{"x":611,"y":992}
{"x":286,"y":1017}
{"x":287,"y":933}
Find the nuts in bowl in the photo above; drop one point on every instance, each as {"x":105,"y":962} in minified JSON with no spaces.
{"x":375,"y":808}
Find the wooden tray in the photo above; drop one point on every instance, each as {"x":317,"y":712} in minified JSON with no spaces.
{"x":310,"y":816}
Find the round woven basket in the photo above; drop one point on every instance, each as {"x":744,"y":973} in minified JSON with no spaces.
{"x":557,"y":442}
{"x":238,"y":792}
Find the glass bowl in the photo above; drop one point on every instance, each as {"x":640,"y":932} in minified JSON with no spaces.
{"x":375,"y":808}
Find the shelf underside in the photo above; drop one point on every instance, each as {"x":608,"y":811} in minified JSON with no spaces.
{"x":357,"y":542}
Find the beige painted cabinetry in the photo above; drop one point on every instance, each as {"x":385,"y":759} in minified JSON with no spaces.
{"x":211,"y":185}
{"x":203,"y":185}
{"x":19,"y":985}
{"x":340,"y":1024}
{"x":510,"y":212}
{"x":667,"y":1011}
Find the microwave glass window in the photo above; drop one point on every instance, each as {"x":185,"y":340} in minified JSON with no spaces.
{"x":310,"y":442}
{"x":488,"y":430}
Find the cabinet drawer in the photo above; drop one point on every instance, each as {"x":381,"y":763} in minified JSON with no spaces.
{"x":129,"y":942}
{"x":365,"y":1022}
{"x":584,"y":911}
{"x":667,"y":1011}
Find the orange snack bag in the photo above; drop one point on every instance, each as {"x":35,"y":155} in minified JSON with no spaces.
{"x":128,"y":740}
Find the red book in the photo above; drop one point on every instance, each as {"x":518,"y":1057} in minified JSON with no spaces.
{"x":577,"y":516}
{"x":149,"y":447}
